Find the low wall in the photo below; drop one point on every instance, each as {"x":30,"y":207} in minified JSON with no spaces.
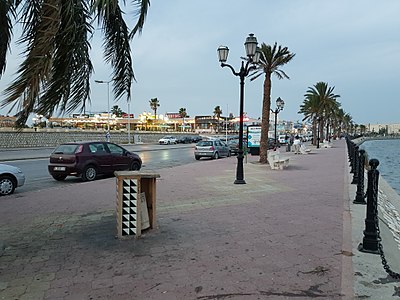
{"x":51,"y":138}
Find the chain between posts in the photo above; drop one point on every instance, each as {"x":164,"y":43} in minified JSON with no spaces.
{"x":375,"y":209}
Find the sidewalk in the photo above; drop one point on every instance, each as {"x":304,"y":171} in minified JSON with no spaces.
{"x":283,"y":235}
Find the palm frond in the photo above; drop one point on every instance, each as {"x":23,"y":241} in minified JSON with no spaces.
{"x":142,"y":9}
{"x":118,"y":53}
{"x":34,"y":70}
{"x":6,"y":11}
{"x":68,"y":88}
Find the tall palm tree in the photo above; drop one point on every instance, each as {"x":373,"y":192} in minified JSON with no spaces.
{"x":182,"y":113}
{"x":217,"y":113}
{"x":318,"y":106}
{"x":272,"y":58}
{"x":56,"y":70}
{"x":154,"y":104}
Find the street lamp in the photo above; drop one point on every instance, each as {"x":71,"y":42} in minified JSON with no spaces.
{"x":253,"y":56}
{"x":129,"y":120}
{"x":279,"y":106}
{"x":108,"y":106}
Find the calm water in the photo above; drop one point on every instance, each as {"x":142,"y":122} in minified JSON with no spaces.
{"x":388,"y":154}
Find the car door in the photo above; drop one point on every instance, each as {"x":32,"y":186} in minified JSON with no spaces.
{"x":222,"y":150}
{"x":119,"y":159}
{"x":101,"y":156}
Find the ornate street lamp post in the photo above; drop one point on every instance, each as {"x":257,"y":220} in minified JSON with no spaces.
{"x":253,"y":56}
{"x":279,"y":106}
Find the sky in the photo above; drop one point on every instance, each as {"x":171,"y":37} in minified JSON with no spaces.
{"x":354,"y":46}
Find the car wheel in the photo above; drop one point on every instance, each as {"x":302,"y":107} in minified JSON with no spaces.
{"x":197,"y":157}
{"x":216,"y":155}
{"x":89,"y":173}
{"x":59,"y":177}
{"x":135,"y":166}
{"x":7,"y":185}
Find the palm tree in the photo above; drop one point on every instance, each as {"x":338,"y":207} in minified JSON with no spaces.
{"x":271,"y":59}
{"x":319,"y":106}
{"x":117,"y":111}
{"x":182,"y":113}
{"x":56,"y":70}
{"x":154,"y":104}
{"x":217,"y":113}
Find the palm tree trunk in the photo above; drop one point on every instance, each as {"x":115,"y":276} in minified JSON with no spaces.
{"x":314,"y":132}
{"x":265,"y":119}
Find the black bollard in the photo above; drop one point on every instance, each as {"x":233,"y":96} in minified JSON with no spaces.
{"x":371,"y":239}
{"x":360,"y":199}
{"x":352,"y":147}
{"x":356,"y":159}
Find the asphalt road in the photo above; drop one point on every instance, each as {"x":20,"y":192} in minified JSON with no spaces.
{"x":33,"y":162}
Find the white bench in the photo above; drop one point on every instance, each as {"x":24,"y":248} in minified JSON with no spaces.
{"x":276,"y":162}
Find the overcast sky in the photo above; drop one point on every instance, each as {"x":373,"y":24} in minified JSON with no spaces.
{"x":352,"y":45}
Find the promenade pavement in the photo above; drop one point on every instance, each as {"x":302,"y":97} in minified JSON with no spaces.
{"x":287,"y":234}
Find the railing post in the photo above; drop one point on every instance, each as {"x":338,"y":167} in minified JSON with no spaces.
{"x":355,"y":165}
{"x":351,"y":157}
{"x":360,"y":197}
{"x":371,"y":238}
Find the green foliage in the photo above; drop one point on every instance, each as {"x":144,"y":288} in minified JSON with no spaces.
{"x":56,"y":70}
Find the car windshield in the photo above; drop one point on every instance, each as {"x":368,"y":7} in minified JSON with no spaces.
{"x":66,"y":149}
{"x":205,"y":143}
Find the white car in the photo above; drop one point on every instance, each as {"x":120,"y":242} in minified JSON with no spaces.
{"x":166,"y":140}
{"x":10,"y":178}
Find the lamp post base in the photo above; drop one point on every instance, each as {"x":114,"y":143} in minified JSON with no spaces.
{"x":239,"y":181}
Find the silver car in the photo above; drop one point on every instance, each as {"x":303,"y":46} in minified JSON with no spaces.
{"x":211,"y":148}
{"x":10,"y":178}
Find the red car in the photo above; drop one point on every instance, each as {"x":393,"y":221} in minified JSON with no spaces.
{"x":89,"y":159}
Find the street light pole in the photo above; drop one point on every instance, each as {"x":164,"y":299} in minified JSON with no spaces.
{"x":279,"y":106}
{"x":319,"y":125}
{"x":253,"y":56}
{"x":108,"y":106}
{"x":129,"y":121}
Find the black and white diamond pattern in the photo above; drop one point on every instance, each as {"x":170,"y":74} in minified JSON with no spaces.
{"x":129,"y":206}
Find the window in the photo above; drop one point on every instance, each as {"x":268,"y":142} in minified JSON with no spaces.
{"x":114,"y":149}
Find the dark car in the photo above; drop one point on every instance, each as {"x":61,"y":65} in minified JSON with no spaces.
{"x":196,"y":138}
{"x":184,"y":139}
{"x":89,"y":159}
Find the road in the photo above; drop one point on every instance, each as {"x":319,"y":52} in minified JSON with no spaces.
{"x":35,"y":161}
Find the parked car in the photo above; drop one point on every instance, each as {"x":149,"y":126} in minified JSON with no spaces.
{"x":166,"y":140}
{"x":211,"y":148}
{"x":89,"y":159}
{"x":196,"y":138}
{"x":10,"y":178}
{"x":283,"y":139}
{"x":183,"y":139}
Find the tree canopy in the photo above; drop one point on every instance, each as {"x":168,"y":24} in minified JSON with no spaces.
{"x":56,"y":34}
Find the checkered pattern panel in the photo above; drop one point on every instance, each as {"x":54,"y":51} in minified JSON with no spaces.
{"x":130,"y":198}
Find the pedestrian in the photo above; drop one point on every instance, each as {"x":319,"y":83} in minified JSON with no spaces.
{"x":108,"y":136}
{"x":296,"y":144}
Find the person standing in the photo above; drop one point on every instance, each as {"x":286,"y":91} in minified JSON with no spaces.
{"x":296,"y":144}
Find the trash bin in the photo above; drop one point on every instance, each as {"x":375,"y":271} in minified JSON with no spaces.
{"x":136,"y":202}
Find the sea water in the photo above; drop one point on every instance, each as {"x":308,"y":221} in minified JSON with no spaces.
{"x":388,"y":154}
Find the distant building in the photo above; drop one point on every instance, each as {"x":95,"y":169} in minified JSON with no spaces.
{"x":7,"y":121}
